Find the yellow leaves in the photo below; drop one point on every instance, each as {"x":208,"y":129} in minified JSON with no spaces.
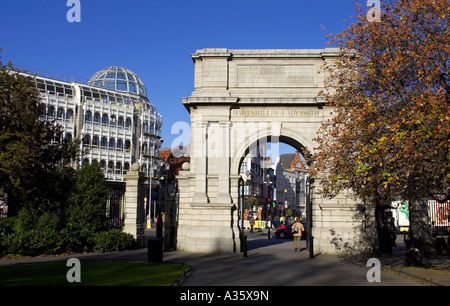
{"x":382,"y":139}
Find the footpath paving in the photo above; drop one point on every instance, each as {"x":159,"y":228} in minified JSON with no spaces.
{"x":273,"y":262}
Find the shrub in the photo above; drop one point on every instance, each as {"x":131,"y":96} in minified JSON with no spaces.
{"x":86,"y":211}
{"x":30,"y":234}
{"x":112,"y":240}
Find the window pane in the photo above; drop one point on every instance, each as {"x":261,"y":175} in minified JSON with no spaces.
{"x":130,"y":77}
{"x":132,"y":87}
{"x":121,"y":85}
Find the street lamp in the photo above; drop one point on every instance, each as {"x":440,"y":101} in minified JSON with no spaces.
{"x":169,"y":222}
{"x":269,"y":183}
{"x":159,"y":224}
{"x":241,"y":211}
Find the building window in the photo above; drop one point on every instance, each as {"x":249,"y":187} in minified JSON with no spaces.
{"x":120,"y":144}
{"x":103,"y":166}
{"x":95,"y":142}
{"x":128,"y":123}
{"x":69,"y":115}
{"x":145,"y":127}
{"x":113,"y":121}
{"x":104,"y":142}
{"x":127,"y":145}
{"x":88,"y":117}
{"x":112,"y":144}
{"x":87,"y":140}
{"x":60,"y":114}
{"x":97,"y":118}
{"x":119,"y":168}
{"x":110,"y":167}
{"x":105,"y":120}
{"x":51,"y":111}
{"x":126,"y":168}
{"x":121,"y":122}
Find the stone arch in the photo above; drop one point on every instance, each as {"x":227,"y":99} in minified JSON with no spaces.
{"x":287,"y":135}
{"x":243,"y":97}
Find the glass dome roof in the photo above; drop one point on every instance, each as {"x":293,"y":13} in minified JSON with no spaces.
{"x":118,"y":78}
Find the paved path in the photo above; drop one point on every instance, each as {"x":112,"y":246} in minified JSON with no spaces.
{"x":269,"y":263}
{"x":275,"y":263}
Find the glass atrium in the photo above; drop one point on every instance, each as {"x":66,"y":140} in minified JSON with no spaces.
{"x":118,"y":78}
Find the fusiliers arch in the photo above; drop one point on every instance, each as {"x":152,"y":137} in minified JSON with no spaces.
{"x":242,"y":98}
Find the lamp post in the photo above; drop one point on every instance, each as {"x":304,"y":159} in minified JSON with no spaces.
{"x":241,"y":212}
{"x":155,"y":246}
{"x":269,"y":183}
{"x":168,"y":230}
{"x":159,"y":224}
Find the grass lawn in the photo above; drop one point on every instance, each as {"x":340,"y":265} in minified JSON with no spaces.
{"x":92,"y":274}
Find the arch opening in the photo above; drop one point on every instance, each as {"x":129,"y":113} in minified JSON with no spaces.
{"x":275,"y":189}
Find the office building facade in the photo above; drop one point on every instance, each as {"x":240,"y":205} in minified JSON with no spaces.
{"x":111,"y":116}
{"x":115,"y":122}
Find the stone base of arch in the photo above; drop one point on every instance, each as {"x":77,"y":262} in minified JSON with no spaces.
{"x":341,"y":225}
{"x":206,"y":225}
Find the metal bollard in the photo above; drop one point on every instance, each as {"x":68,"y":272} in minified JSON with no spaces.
{"x":155,"y":249}
{"x":245,"y":246}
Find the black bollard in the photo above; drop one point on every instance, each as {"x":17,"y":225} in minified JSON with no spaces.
{"x":245,"y":246}
{"x":155,"y":249}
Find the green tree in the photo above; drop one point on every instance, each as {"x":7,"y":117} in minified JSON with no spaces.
{"x":34,"y":161}
{"x":86,"y":212}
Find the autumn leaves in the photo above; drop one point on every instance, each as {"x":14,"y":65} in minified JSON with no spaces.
{"x":389,"y":137}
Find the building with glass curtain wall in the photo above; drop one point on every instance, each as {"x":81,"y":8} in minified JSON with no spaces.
{"x":110,"y":114}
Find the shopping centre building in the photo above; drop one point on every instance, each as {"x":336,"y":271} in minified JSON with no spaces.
{"x":112,"y":117}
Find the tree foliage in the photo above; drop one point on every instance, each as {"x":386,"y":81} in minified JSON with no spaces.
{"x":390,"y":90}
{"x":34,"y":161}
{"x":86,"y":212}
{"x":52,"y":208}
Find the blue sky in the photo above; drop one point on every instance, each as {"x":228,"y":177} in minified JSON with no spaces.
{"x":154,"y":39}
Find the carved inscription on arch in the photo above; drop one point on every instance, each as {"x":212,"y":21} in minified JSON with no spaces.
{"x":275,"y":113}
{"x":276,"y":75}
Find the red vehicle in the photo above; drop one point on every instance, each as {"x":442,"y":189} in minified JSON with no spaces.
{"x":285,"y":231}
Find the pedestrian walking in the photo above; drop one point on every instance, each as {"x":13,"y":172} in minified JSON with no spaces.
{"x":393,"y":231}
{"x":297,"y":229}
{"x":252,"y":223}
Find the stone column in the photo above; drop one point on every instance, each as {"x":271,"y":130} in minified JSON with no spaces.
{"x":420,"y":224}
{"x":134,"y":204}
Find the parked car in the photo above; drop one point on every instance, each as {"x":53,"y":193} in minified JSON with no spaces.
{"x":285,"y":231}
